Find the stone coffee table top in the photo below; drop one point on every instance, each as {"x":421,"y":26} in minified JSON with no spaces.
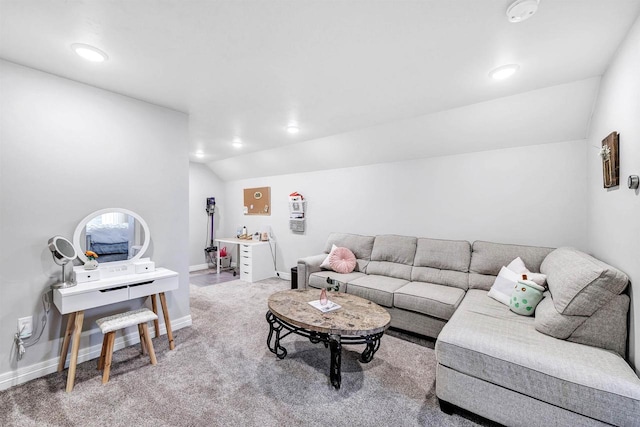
{"x":357,"y":316}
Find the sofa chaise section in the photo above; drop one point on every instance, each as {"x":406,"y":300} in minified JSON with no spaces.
{"x":490,"y":358}
{"x":498,"y":364}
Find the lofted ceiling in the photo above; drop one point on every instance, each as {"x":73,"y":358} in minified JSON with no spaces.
{"x":342,"y":70}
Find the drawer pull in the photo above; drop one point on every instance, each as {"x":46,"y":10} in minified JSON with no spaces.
{"x":113,"y":289}
{"x":141,"y":283}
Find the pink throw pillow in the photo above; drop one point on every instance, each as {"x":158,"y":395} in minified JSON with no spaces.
{"x":342,"y":260}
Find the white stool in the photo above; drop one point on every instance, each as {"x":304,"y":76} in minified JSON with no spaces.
{"x":109,"y":325}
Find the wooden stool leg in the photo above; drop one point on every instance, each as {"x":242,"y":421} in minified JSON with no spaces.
{"x":103,"y":353}
{"x":110,"y":337}
{"x":147,"y":337}
{"x":71,"y":319}
{"x":154,"y":307}
{"x":141,"y":333}
{"x":167,"y":321}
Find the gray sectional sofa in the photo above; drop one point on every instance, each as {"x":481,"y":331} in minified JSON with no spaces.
{"x":565,"y":366}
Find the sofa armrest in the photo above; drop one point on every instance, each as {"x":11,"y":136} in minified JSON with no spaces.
{"x":306,"y":266}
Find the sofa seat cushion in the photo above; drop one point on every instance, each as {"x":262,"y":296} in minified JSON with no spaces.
{"x":428,"y":298}
{"x":378,"y":289}
{"x":319,"y":279}
{"x":485,"y":340}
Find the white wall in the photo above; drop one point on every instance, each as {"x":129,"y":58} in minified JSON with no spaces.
{"x":614,"y":215}
{"x":528,"y":195}
{"x":202,"y":184}
{"x":67,"y":149}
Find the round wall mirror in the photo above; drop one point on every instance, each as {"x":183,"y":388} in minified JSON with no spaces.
{"x":114,"y":234}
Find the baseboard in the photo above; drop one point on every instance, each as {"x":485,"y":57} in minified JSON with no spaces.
{"x":284,"y":275}
{"x":198,"y":267}
{"x":40,"y":369}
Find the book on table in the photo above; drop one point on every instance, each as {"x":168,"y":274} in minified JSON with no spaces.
{"x":329,"y":306}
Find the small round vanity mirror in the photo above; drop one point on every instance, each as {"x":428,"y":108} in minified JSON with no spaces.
{"x":63,"y":252}
{"x":62,"y":249}
{"x":114,"y":234}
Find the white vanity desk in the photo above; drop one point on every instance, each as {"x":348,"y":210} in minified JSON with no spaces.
{"x":112,"y":282}
{"x":84,"y":296}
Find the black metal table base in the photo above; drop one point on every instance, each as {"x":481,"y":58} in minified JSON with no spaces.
{"x":333,"y":341}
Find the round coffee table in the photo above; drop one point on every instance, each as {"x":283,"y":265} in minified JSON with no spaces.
{"x":358,"y":321}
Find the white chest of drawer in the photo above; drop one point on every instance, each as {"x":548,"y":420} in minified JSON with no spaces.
{"x":255,"y":262}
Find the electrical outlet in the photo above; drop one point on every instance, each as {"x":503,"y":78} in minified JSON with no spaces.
{"x":25,"y":326}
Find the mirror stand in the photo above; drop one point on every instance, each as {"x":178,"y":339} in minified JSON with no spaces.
{"x":64,"y":284}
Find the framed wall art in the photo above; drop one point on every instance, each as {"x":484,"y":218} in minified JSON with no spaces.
{"x":610,"y":153}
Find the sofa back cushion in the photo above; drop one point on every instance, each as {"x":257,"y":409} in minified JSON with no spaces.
{"x":393,"y":256}
{"x":488,"y":258}
{"x":579,"y":283}
{"x":361,"y":246}
{"x":443,"y":262}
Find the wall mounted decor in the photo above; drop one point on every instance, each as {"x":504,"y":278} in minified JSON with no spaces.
{"x":257,"y":201}
{"x":610,"y":160}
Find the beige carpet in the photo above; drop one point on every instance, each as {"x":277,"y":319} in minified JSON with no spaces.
{"x":222,"y":374}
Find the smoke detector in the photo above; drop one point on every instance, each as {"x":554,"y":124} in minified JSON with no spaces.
{"x":521,"y":10}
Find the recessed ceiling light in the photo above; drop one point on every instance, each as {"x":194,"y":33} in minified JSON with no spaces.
{"x":199,"y":154}
{"x":504,"y":71}
{"x":521,"y":10}
{"x":89,"y":53}
{"x":237,"y":142}
{"x":293,"y":129}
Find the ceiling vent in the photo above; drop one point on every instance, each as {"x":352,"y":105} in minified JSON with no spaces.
{"x":521,"y":10}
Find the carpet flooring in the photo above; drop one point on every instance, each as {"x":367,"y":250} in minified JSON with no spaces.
{"x":221,"y":373}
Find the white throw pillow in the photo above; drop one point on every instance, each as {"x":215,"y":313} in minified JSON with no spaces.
{"x":503,"y":286}
{"x":509,"y":276}
{"x":325,"y":264}
{"x":517,"y":266}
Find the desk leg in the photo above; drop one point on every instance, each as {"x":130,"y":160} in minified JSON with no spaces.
{"x":75,"y":347}
{"x":218,"y":260}
{"x":154,"y":307}
{"x":237,"y":260}
{"x":167,"y":322}
{"x":65,"y":343}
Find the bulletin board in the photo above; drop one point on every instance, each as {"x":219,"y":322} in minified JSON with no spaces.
{"x":257,"y":201}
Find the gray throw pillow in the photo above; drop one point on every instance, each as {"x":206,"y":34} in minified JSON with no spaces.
{"x":579,"y":283}
{"x":606,"y":328}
